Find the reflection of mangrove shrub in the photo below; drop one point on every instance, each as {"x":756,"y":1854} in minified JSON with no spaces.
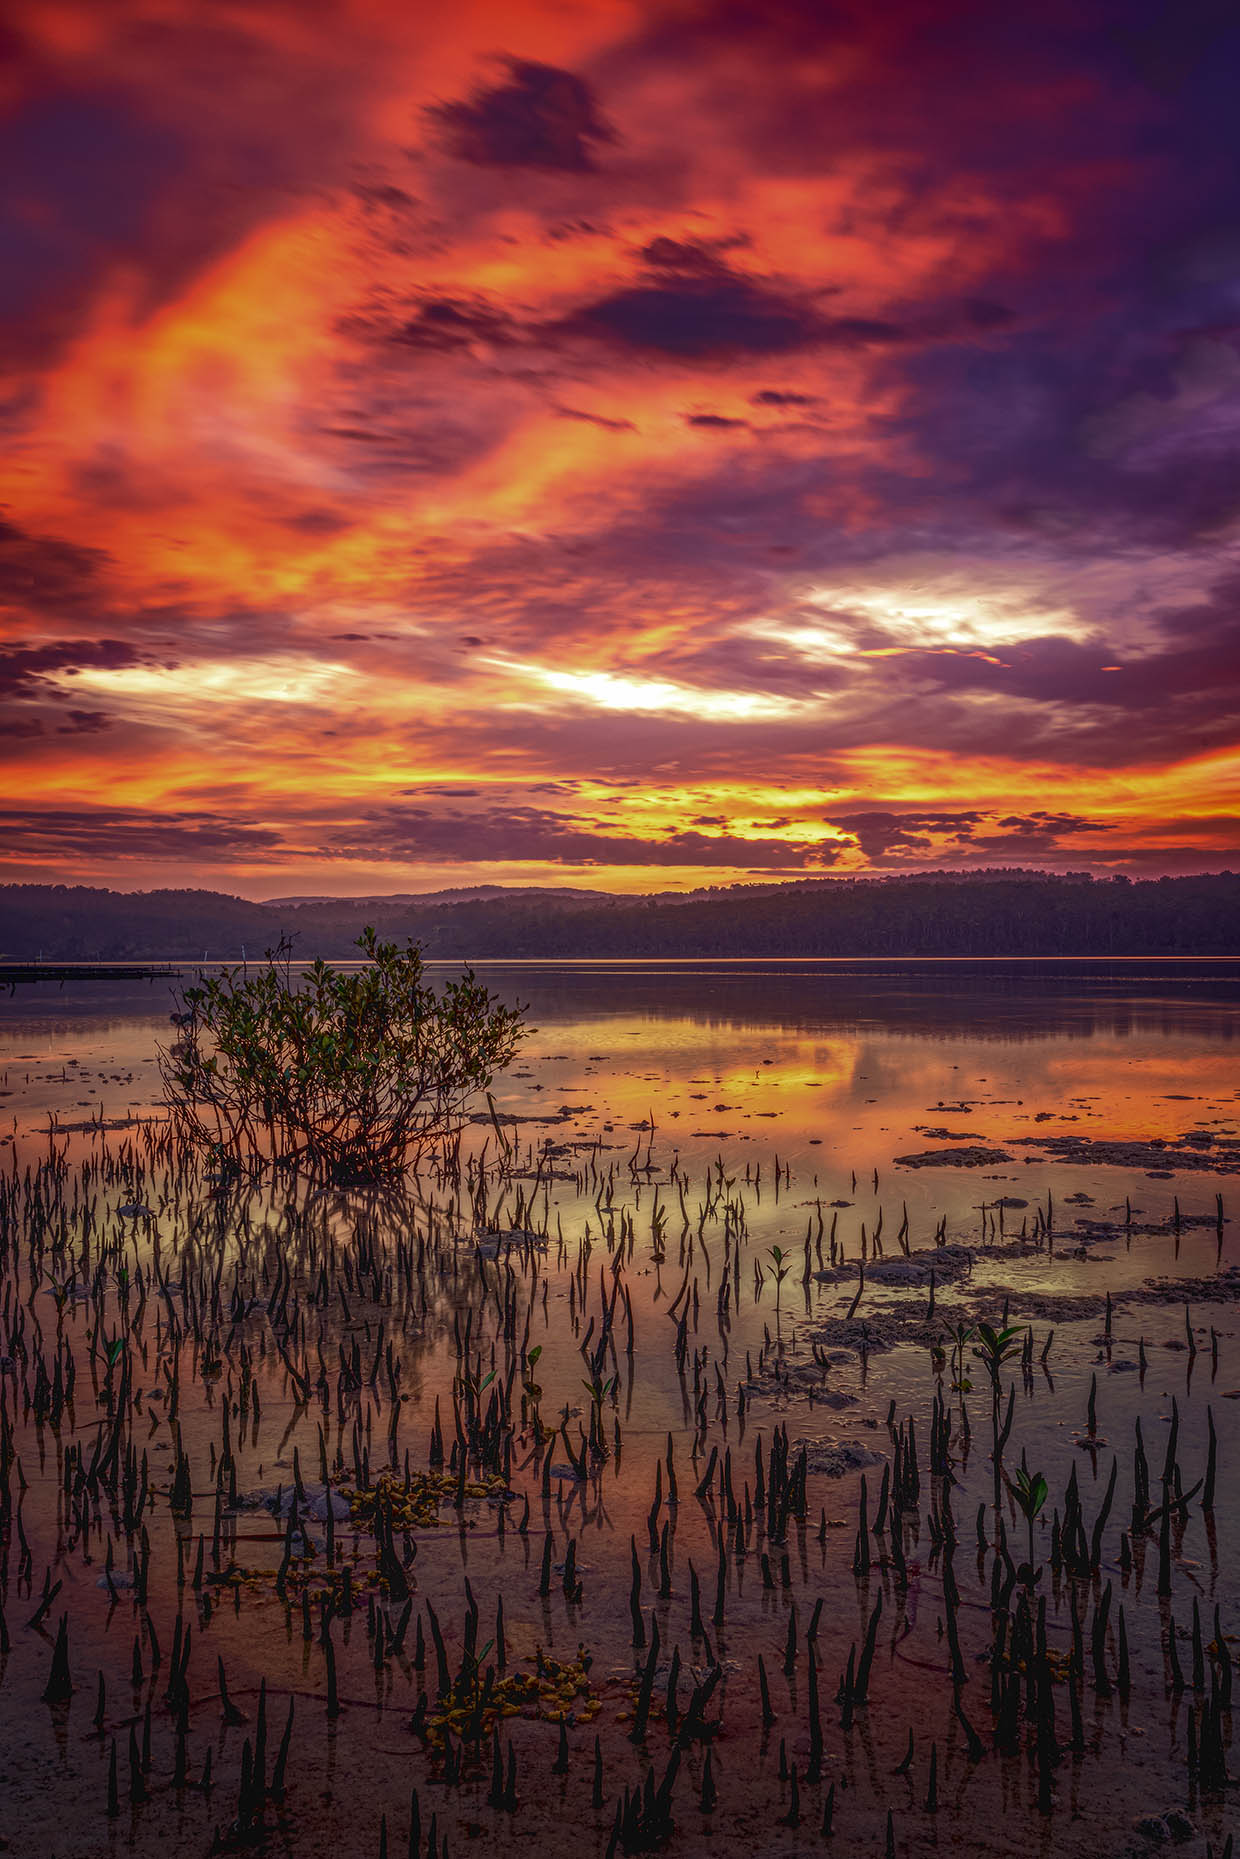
{"x":349,"y":1073}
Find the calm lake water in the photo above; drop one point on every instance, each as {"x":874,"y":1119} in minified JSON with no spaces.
{"x":836,"y":1067}
{"x":674,"y":1124}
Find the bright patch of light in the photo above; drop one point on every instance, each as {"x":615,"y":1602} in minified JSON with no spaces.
{"x":919,"y":619}
{"x":280,"y":679}
{"x":654,"y":696}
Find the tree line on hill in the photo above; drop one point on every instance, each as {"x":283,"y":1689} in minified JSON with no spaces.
{"x":1002,"y":913}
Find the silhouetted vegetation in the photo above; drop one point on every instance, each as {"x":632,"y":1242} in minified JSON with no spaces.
{"x":981,"y":913}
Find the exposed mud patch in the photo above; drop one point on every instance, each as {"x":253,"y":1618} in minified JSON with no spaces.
{"x":974,"y":1156}
{"x":1221,"y":1156}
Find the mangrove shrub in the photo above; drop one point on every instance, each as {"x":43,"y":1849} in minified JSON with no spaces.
{"x":351,"y":1073}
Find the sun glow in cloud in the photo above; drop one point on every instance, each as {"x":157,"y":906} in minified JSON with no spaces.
{"x":654,"y":696}
{"x":914,"y":615}
{"x":659,"y":445}
{"x":273,"y":680}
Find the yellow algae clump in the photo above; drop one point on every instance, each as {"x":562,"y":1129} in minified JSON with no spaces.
{"x":415,"y":1506}
{"x":554,"y":1690}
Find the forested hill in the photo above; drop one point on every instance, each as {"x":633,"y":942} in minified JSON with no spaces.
{"x":981,"y":913}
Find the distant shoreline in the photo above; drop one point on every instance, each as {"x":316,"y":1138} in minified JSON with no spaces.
{"x":1011,"y":915}
{"x":173,"y":968}
{"x":14,"y":972}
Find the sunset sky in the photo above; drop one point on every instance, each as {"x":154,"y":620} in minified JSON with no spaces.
{"x":617,"y":443}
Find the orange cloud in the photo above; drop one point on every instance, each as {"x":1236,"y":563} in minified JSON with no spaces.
{"x":736,"y":424}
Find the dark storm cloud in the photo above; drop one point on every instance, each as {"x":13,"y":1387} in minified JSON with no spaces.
{"x":416,"y":834}
{"x":686,"y":256}
{"x":1038,"y":834}
{"x":595,"y":419}
{"x":46,"y":573}
{"x":879,"y":832}
{"x":887,"y":837}
{"x":84,"y":723}
{"x":125,"y":833}
{"x":444,"y":324}
{"x":24,"y":670}
{"x":715,"y":315}
{"x":776,"y":397}
{"x":541,"y":118}
{"x":318,"y":522}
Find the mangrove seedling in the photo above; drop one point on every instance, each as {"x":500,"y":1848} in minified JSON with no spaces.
{"x":782,"y":1268}
{"x":996,"y":1347}
{"x":1029,"y":1490}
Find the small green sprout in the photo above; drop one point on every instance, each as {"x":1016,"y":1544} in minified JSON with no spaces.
{"x":1030,"y":1491}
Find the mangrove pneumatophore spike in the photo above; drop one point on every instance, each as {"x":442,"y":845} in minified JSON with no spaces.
{"x":793,"y":1817}
{"x":768,"y":1715}
{"x":861,"y":1686}
{"x":59,"y":1688}
{"x":646,"y":1686}
{"x":635,"y":1596}
{"x":333,"y":1699}
{"x":976,"y":1747}
{"x":1207,"y":1492}
{"x":847,"y":1692}
{"x":813,"y":1768}
{"x":137,"y":1786}
{"x":281,"y":1763}
{"x":228,"y":1710}
{"x":861,"y":1553}
{"x":696,"y":1629}
{"x":790,"y":1643}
